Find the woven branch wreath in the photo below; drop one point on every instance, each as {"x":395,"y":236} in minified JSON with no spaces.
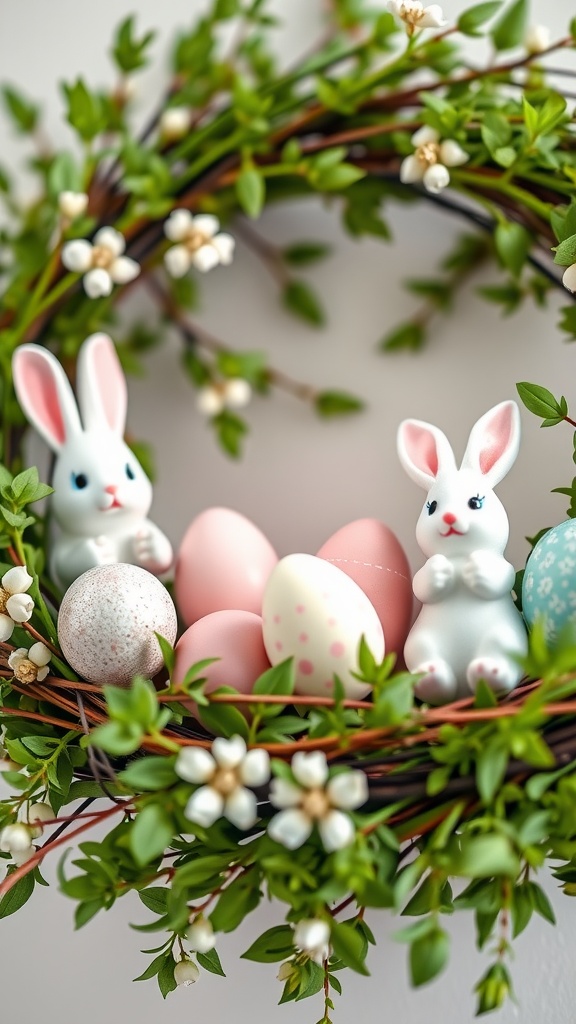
{"x":394,"y":799}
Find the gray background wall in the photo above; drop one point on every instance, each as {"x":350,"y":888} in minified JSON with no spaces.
{"x":300,"y":480}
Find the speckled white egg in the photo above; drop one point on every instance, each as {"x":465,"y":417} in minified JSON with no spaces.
{"x":107,"y":622}
{"x":314,"y":612}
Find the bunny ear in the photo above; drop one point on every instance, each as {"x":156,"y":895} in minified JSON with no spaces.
{"x":44,"y":393}
{"x":101,"y":385}
{"x":494,"y":442}
{"x":424,"y":451}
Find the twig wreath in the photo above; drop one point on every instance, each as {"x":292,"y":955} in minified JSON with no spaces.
{"x":333,"y":805}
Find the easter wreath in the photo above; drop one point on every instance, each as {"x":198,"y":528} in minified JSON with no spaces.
{"x":332,"y":805}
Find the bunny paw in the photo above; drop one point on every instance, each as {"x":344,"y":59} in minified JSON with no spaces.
{"x":104,"y":552}
{"x":438,"y":682}
{"x":497,"y":673}
{"x":151,"y":551}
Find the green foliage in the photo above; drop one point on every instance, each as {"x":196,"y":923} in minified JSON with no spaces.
{"x":129,"y":53}
{"x":510,"y":28}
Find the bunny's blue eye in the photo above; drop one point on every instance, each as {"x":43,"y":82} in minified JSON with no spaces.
{"x":476,"y":502}
{"x":79,"y":481}
{"x":431,"y":506}
{"x":130,"y":472}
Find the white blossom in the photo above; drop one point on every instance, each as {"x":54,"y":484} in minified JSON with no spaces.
{"x":174,"y":123}
{"x":538,"y":38}
{"x":30,"y":665}
{"x":233,"y":393}
{"x":312,"y":937}
{"x":199,"y":243}
{"x":569,"y":278}
{"x":200,"y":936}
{"x":316,"y":800}
{"x":415,"y":15}
{"x":16,"y":606}
{"x":36,"y":815}
{"x":15,"y":839}
{"x":186,"y":972}
{"x":430,"y":162}
{"x":100,"y":261}
{"x":223,"y":776}
{"x":72,"y":204}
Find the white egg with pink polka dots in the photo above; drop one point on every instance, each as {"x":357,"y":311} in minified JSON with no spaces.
{"x":314,"y":612}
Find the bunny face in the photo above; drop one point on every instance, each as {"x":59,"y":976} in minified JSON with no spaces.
{"x":461,"y":514}
{"x":100,"y":487}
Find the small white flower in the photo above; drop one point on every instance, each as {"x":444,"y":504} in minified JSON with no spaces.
{"x":186,"y":972}
{"x":36,"y":815}
{"x":72,"y":204}
{"x":200,"y":936}
{"x":316,"y":800}
{"x":30,"y":665}
{"x":174,"y":123}
{"x":537,"y":39}
{"x":233,"y":393}
{"x":415,"y":15}
{"x":101,"y":262}
{"x":430,"y":162}
{"x":223,"y":776}
{"x":199,"y":243}
{"x":569,"y":278}
{"x":16,"y":606}
{"x":15,"y":838}
{"x":312,"y":937}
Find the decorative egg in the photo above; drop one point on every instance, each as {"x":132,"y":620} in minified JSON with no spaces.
{"x":371,"y":554}
{"x":232,"y":636}
{"x":224,"y":562}
{"x":549,"y":583}
{"x":107,"y":621}
{"x":314,"y":612}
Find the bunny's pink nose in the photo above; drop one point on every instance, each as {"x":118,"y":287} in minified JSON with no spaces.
{"x":111,"y":489}
{"x":449,"y":518}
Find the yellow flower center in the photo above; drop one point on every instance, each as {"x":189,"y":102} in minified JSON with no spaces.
{"x":195,"y":240}
{"x":26,"y":671}
{"x":102,"y":257}
{"x":428,"y":153}
{"x":4,"y":598}
{"x":225,"y":781}
{"x":315,"y":804}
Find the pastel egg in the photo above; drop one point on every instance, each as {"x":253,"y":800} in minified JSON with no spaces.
{"x":314,"y":612}
{"x":107,"y":623}
{"x":232,"y":636}
{"x":224,"y":562}
{"x":371,"y":554}
{"x":549,"y":582}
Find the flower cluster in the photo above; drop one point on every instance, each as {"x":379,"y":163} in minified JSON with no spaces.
{"x":415,"y":15}
{"x":430,"y":162}
{"x":101,"y":262}
{"x":199,"y":243}
{"x":16,"y":839}
{"x":223,"y":776}
{"x":16,"y":605}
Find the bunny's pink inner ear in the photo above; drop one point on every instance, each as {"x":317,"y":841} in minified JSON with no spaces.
{"x":44,"y":394}
{"x":421,"y":447}
{"x":494,"y":442}
{"x":497,"y":438}
{"x":102,"y":391}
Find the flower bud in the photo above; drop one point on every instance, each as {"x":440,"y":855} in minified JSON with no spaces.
{"x":17,"y":580}
{"x":15,"y":838}
{"x":186,"y":972}
{"x":37,"y":815}
{"x":72,"y":204}
{"x":20,"y":607}
{"x":200,"y":936}
{"x":174,"y":123}
{"x":537,"y":39}
{"x":285,"y":971}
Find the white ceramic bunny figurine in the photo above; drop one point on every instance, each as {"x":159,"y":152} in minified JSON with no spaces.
{"x":468,"y":628}
{"x":102,"y":495}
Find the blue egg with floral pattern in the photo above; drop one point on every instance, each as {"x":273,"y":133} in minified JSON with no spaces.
{"x":549,"y":584}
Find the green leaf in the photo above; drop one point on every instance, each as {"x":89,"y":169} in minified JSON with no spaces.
{"x":235,"y":903}
{"x":337,"y":403}
{"x":230,"y":430}
{"x":210,"y":961}
{"x":153,"y":968}
{"x":300,"y":299}
{"x":512,"y":243}
{"x":85,"y":110}
{"x":349,"y":946}
{"x":129,"y":53}
{"x":150,"y":834}
{"x":64,"y":174}
{"x":541,"y":903}
{"x":541,"y":402}
{"x":24,"y":114}
{"x":411,"y":335}
{"x":490,"y":768}
{"x":429,"y":956}
{"x":483,"y":856}
{"x":279,"y":680}
{"x":251,"y":191}
{"x":510,"y":29}
{"x":166,"y":980}
{"x":168,"y":652}
{"x":563,"y":221}
{"x":223,"y":720}
{"x":274,"y":944}
{"x":149,"y":773}
{"x":17,"y":896}
{"x":300,"y":254}
{"x":202,"y":869}
{"x":154,"y":898}
{"x":565,"y":252}
{"x":85,"y":911}
{"x":470,"y":21}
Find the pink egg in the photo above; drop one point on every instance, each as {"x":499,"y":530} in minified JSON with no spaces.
{"x":232,"y":636}
{"x":224,"y":562}
{"x":371,"y":554}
